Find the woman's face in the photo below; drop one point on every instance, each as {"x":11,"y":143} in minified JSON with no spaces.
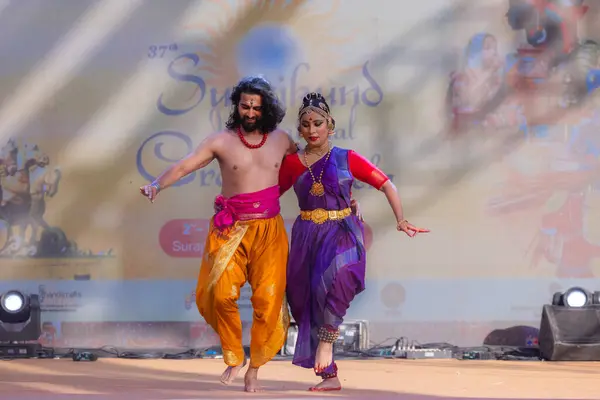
{"x":490,"y":51}
{"x":314,"y":129}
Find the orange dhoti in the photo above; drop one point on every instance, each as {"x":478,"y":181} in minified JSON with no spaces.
{"x":251,"y":245}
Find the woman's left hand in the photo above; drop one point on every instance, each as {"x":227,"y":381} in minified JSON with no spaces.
{"x":409,"y":229}
{"x":356,"y":210}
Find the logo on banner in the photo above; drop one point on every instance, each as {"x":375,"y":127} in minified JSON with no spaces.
{"x":287,"y":45}
{"x":393,"y":296}
{"x":276,"y":46}
{"x":184,"y":237}
{"x":58,"y":300}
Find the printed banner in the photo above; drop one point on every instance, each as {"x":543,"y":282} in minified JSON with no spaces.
{"x":486,"y":124}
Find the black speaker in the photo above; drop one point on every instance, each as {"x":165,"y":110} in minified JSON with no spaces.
{"x":570,"y":334}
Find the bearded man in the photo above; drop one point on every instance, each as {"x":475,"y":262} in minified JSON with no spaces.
{"x":247,"y":239}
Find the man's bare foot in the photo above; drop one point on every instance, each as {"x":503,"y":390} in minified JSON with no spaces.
{"x":324,"y":356}
{"x":231,"y":373}
{"x":251,"y":381}
{"x":327,"y":385}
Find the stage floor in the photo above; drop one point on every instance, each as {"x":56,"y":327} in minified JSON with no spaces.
{"x":110,"y":378}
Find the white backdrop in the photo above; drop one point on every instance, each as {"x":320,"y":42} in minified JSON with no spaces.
{"x":114,"y":91}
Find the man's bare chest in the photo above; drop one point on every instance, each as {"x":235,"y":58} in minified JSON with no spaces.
{"x":241,"y":159}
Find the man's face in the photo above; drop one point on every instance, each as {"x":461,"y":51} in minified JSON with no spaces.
{"x":250,"y":110}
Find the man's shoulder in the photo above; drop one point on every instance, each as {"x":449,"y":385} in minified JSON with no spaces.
{"x":224,"y":133}
{"x":279,"y":133}
{"x":218,"y":141}
{"x":221,"y":136}
{"x":282,"y":137}
{"x":217,"y":135}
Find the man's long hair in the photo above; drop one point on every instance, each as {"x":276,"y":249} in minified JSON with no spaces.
{"x":272,"y":109}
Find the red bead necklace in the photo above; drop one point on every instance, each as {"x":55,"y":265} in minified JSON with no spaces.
{"x":250,"y":145}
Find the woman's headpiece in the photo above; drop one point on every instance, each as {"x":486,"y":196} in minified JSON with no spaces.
{"x":315,"y":102}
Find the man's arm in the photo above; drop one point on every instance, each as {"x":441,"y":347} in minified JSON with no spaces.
{"x":199,"y":158}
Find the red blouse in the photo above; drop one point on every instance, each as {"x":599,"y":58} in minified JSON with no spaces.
{"x":361,"y":168}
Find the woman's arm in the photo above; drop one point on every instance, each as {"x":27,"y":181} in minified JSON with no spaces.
{"x":291,"y":168}
{"x":365,"y":171}
{"x":391,"y":193}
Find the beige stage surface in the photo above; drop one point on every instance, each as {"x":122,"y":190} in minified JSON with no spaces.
{"x":198,"y":379}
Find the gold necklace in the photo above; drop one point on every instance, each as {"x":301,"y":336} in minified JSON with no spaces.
{"x":317,"y":188}
{"x":316,"y":153}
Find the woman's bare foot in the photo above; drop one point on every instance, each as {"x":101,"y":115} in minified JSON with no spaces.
{"x":327,"y":385}
{"x":324,"y":356}
{"x":231,"y":373}
{"x":251,"y":381}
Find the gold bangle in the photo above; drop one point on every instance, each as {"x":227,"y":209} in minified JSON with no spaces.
{"x":402,"y":222}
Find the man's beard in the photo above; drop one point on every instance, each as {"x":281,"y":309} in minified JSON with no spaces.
{"x":250,"y":126}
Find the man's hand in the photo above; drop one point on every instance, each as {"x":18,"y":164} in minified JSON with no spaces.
{"x":293,"y":147}
{"x":356,"y":210}
{"x":199,"y":158}
{"x":150,"y":191}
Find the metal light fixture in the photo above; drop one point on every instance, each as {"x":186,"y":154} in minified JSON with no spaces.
{"x":354,"y":337}
{"x":570,"y":326}
{"x":576,"y":297}
{"x":290,"y":342}
{"x":20,"y":324}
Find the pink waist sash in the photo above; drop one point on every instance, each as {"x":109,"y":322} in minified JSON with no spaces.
{"x":243,"y":207}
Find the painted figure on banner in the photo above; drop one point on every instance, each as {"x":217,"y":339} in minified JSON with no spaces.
{"x":16,"y":203}
{"x":555,"y":176}
{"x":247,"y":239}
{"x":553,"y":46}
{"x":476,"y":99}
{"x":326,"y":267}
{"x":547,"y":92}
{"x":27,"y":181}
{"x":475,"y":90}
{"x":553,"y":69}
{"x":569,"y":234}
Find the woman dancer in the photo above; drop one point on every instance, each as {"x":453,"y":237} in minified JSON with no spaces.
{"x":326,"y":266}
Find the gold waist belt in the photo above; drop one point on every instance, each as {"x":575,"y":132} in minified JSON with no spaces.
{"x":320,"y":215}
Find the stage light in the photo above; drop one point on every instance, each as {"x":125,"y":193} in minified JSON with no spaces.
{"x":570,"y":327}
{"x":20,"y":322}
{"x":575,"y":297}
{"x":13,"y":302}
